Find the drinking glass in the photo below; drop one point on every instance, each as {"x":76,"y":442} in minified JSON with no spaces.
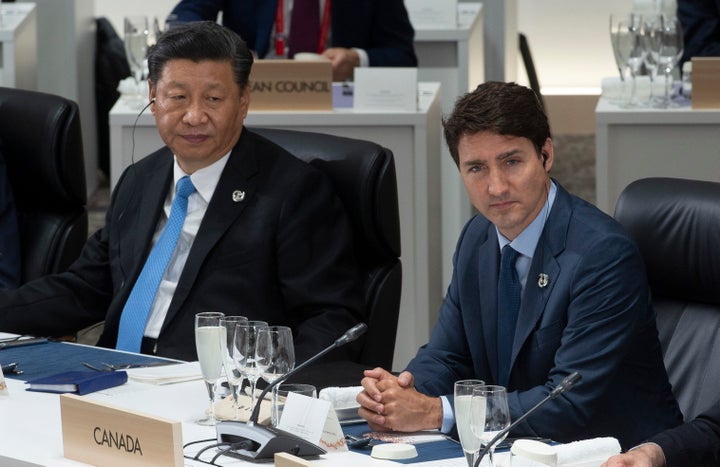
{"x":137,"y":37}
{"x":234,"y":377}
{"x":275,"y":352}
{"x":625,"y":39}
{"x":209,"y":341}
{"x":651,"y":39}
{"x":244,"y":353}
{"x":489,"y":414}
{"x":463,"y":395}
{"x":671,"y":50}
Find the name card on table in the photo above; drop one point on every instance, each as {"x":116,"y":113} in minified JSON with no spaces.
{"x":390,"y":89}
{"x":432,"y":14}
{"x":705,"y":79}
{"x":291,"y":85}
{"x":100,"y":434}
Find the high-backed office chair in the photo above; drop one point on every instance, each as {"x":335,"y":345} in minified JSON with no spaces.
{"x":42,"y":146}
{"x":676,"y":224}
{"x":363,"y":174}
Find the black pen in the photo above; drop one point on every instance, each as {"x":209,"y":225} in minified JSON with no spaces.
{"x":21,"y":342}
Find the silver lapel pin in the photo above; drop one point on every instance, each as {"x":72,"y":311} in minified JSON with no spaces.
{"x":543,"y":280}
{"x":238,"y":196}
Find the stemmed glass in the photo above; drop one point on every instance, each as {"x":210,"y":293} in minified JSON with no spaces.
{"x":234,"y":377}
{"x":275,"y":352}
{"x":489,"y":414}
{"x":670,"y":52}
{"x":137,"y":37}
{"x":244,"y":353}
{"x":209,"y":341}
{"x":625,"y":39}
{"x":651,"y":38}
{"x":463,"y":395}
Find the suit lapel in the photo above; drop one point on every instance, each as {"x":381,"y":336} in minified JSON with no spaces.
{"x":489,"y":260}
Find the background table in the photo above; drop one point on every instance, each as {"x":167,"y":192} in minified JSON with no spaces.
{"x":638,"y":143}
{"x":18,"y":45}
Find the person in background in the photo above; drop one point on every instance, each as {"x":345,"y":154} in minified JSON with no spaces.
{"x":263,"y":236}
{"x":695,"y":443}
{"x":9,"y":234}
{"x":361,"y":32}
{"x":544,"y":284}
{"x":700,"y":22}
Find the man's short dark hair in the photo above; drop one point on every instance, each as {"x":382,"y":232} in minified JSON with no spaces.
{"x":500,"y":108}
{"x":198,"y":41}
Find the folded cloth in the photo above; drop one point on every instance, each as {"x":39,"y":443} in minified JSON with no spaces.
{"x":341,"y":398}
{"x":616,"y":90}
{"x":590,"y":452}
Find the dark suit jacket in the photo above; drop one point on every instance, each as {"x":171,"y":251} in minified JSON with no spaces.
{"x":700,"y":21}
{"x":695,"y":443}
{"x":9,"y":234}
{"x":380,"y":27}
{"x":593,"y":317}
{"x":283,"y":254}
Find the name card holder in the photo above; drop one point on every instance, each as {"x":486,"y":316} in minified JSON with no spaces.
{"x":291,"y":85}
{"x":705,"y":79}
{"x":100,"y":434}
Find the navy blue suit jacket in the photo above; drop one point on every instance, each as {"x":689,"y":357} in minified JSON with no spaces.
{"x":594,"y":317}
{"x":283,"y":255}
{"x":380,"y":27}
{"x":700,"y":21}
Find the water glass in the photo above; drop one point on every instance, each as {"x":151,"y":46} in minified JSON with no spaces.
{"x":280,"y":394}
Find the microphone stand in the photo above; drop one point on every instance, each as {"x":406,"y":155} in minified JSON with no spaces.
{"x":565,"y":385}
{"x":254,"y":442}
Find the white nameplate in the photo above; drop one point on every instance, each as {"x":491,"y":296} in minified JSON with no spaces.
{"x":100,"y":434}
{"x":313,"y":420}
{"x":432,"y":14}
{"x":385,"y":89}
{"x":291,"y":85}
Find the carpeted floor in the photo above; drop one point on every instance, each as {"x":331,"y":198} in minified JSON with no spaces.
{"x":574,"y":168}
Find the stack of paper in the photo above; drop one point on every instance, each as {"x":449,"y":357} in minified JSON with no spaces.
{"x":167,"y":374}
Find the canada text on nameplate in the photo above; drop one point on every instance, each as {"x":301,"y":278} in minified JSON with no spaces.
{"x":101,"y":434}
{"x":291,"y":85}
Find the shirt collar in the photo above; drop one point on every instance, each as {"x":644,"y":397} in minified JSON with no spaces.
{"x":205,"y":180}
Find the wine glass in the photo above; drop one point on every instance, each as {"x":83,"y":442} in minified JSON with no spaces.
{"x":651,"y":38}
{"x":209,"y":341}
{"x":489,"y":414}
{"x":244,"y":353}
{"x":234,"y":377}
{"x":671,"y":50}
{"x":137,"y":36}
{"x":275,"y":352}
{"x":463,"y":395}
{"x":625,"y":38}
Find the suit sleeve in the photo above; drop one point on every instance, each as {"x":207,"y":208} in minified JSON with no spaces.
{"x":694,"y":443}
{"x":197,"y":10}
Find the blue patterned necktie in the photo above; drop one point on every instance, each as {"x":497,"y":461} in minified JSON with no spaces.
{"x":509,"y":291}
{"x":137,"y":308}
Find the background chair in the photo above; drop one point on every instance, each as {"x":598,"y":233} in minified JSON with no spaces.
{"x":676,"y":224}
{"x":42,"y":146}
{"x":529,"y":65}
{"x":363,"y":174}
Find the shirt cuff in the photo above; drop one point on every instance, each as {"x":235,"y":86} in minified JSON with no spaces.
{"x":653,"y":444}
{"x":364,"y":60}
{"x":448,"y":416}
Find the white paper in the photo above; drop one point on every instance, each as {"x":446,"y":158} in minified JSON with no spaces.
{"x":380,"y":88}
{"x":3,"y":386}
{"x":304,"y":416}
{"x":166,"y":374}
{"x":432,"y":14}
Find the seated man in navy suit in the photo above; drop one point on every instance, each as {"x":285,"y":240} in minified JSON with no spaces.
{"x":582,"y":305}
{"x":9,"y":235}
{"x":264,"y":235}
{"x":361,"y":32}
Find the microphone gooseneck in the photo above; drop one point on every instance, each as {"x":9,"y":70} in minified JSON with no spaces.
{"x":565,"y":385}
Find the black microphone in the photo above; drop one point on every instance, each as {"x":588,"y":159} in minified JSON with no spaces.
{"x":254,"y":442}
{"x":565,"y":385}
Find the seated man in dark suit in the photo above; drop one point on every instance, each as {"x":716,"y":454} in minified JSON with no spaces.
{"x":362,"y":32}
{"x":695,"y":443}
{"x":263,"y":234}
{"x":9,"y":235}
{"x":574,"y":298}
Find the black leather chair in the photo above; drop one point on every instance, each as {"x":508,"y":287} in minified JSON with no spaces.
{"x":364,"y":176}
{"x":42,"y":146}
{"x":676,"y":224}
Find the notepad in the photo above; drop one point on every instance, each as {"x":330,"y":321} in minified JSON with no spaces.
{"x":78,"y":382}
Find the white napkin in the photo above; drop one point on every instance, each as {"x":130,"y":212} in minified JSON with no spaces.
{"x":587,"y":452}
{"x":615,"y":90}
{"x":341,"y":397}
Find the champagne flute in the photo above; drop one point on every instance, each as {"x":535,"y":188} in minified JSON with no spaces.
{"x":244,"y":353}
{"x":489,"y":414}
{"x":463,"y":395}
{"x":651,"y":37}
{"x":625,"y":38}
{"x":209,"y":341}
{"x":234,"y":377}
{"x":671,"y":50}
{"x":137,"y":36}
{"x":275,"y":352}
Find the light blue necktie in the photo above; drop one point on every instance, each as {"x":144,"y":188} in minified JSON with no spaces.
{"x":137,"y":308}
{"x":509,"y":291}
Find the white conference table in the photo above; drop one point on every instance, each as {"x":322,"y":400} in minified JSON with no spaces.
{"x":18,"y":45}
{"x":637,"y":143}
{"x":414,"y":139}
